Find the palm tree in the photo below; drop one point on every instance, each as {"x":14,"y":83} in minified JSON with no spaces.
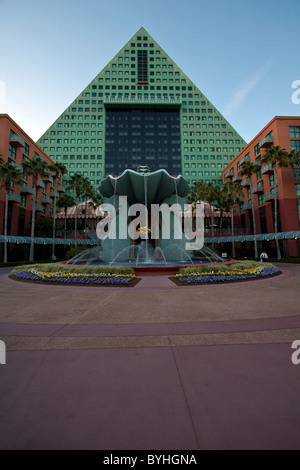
{"x":295,"y":161}
{"x":76,"y":182}
{"x":222,"y":203}
{"x":56,"y":169}
{"x":211,"y":194}
{"x":248,"y":169}
{"x":8,"y":174}
{"x":234,"y":191}
{"x":96,"y":201}
{"x":35,"y":168}
{"x":65,"y":201}
{"x":278,"y":158}
{"x":197,"y":193}
{"x":87,"y":190}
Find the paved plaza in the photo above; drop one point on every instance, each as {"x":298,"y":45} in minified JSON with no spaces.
{"x":153,"y":367}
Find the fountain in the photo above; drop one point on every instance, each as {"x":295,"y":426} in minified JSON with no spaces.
{"x":150,"y":247}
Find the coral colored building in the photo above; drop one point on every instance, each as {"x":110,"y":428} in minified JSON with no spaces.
{"x":283,"y":131}
{"x":15,"y":147}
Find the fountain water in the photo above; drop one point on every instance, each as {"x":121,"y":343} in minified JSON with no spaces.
{"x":144,"y":187}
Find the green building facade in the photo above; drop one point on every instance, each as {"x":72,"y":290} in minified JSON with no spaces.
{"x":141,"y":109}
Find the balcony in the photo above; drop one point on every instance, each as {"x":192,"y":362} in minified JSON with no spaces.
{"x":246,"y":183}
{"x":259,"y":188}
{"x":229,"y":173}
{"x":270,"y":196}
{"x":244,"y":159}
{"x":52,"y":193}
{"x":61,"y":190}
{"x":267,"y":169}
{"x":14,"y":197}
{"x":141,"y":100}
{"x":248,"y":206}
{"x":25,"y":189}
{"x":48,"y":179}
{"x":16,"y":140}
{"x":266,"y":141}
{"x":46,"y":200}
{"x":39,"y":207}
{"x":237,"y":178}
{"x":41,"y":184}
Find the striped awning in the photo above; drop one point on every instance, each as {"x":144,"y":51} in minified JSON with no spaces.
{"x":293,"y":235}
{"x":48,"y":241}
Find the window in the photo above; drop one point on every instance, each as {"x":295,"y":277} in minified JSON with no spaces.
{"x":142,"y":66}
{"x":26,"y":149}
{"x":294,"y":131}
{"x":297,"y":186}
{"x":12,"y":151}
{"x":295,"y":145}
{"x":257,"y":150}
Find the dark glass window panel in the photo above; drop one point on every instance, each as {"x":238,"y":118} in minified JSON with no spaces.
{"x":145,"y":136}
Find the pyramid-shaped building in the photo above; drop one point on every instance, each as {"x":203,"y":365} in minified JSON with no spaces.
{"x":142,"y":109}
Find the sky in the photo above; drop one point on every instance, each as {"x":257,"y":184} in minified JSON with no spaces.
{"x":244,"y":55}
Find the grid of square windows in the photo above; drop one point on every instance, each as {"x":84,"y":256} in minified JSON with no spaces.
{"x":204,"y":132}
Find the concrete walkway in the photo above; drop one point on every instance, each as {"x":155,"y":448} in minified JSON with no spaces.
{"x":151,"y":367}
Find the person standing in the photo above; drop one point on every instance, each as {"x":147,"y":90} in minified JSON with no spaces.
{"x":263,"y":257}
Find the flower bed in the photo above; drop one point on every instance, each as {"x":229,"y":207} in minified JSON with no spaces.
{"x":233,"y":274}
{"x":67,"y":277}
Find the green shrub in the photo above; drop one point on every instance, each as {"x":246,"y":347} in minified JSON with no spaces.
{"x":74,"y":251}
{"x":55,"y":268}
{"x":221,"y":267}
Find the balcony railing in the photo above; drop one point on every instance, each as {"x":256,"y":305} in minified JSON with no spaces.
{"x":259,"y":188}
{"x":14,"y":197}
{"x":266,"y":141}
{"x":46,"y":200}
{"x":25,"y":189}
{"x":229,"y":173}
{"x":248,"y":206}
{"x":237,"y":178}
{"x":246,"y":183}
{"x":141,"y":100}
{"x":270,"y":196}
{"x":41,"y":184}
{"x":48,"y":178}
{"x":52,"y":193}
{"x":244,"y":159}
{"x":267,"y":169}
{"x":39,"y":207}
{"x":16,"y":140}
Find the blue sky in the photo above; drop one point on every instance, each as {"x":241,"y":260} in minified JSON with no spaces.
{"x":242,"y":54}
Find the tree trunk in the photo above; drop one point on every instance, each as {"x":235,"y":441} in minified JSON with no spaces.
{"x":54,"y":220}
{"x":66,"y":222}
{"x":212,"y":226}
{"x":5,"y":226}
{"x":276,"y":217}
{"x":85,"y":216}
{"x":76,"y":214}
{"x":31,"y":253}
{"x":221,"y":223}
{"x":254,"y":225}
{"x":232,"y":235}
